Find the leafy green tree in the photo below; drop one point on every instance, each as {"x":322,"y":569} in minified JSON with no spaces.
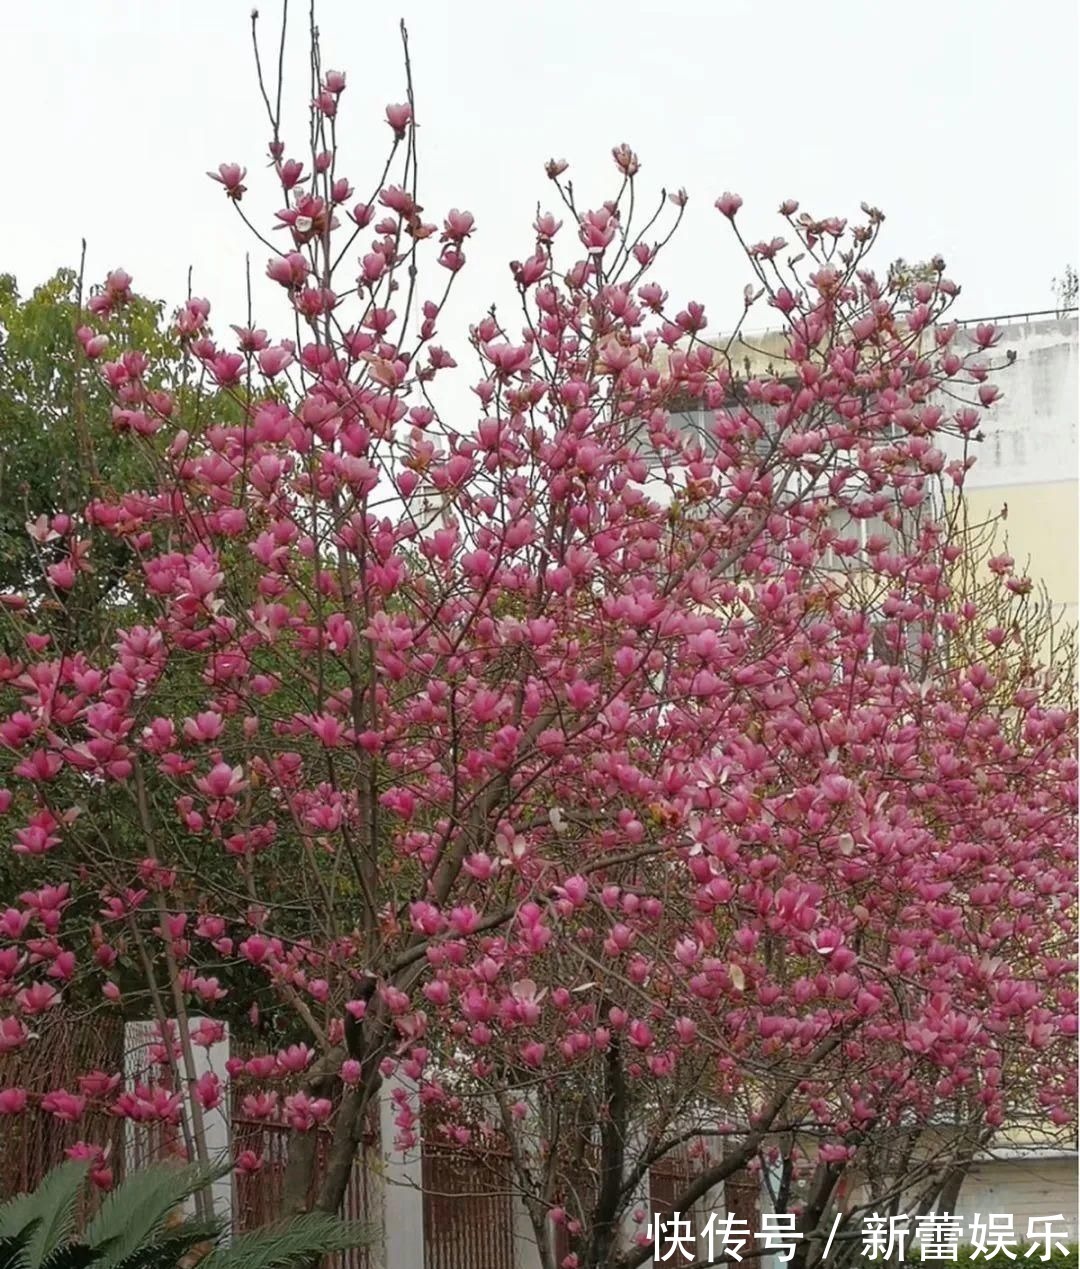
{"x":1066,"y":289}
{"x":58,"y":446}
{"x":904,"y":277}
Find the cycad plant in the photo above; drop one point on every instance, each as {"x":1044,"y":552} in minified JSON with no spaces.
{"x":139,"y":1227}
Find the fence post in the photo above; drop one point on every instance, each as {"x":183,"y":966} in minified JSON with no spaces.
{"x":139,"y":1147}
{"x":218,"y":1123}
{"x":526,"y":1249}
{"x":403,"y":1196}
{"x":526,"y":1252}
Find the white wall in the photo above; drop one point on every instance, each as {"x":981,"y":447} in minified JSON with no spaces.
{"x":1031,"y":432}
{"x":140,"y":1145}
{"x":1022,"y":1188}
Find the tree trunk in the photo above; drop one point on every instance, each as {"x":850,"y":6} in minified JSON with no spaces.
{"x":303,"y":1152}
{"x":808,"y":1252}
{"x":957,"y":1174}
{"x":613,"y":1128}
{"x":347,"y":1136}
{"x":299,"y":1172}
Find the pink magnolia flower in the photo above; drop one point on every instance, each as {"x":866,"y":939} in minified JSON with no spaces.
{"x":457,"y":226}
{"x":222,"y":781}
{"x":98,"y":1084}
{"x":12,"y":1100}
{"x":37,"y":998}
{"x":208,"y":1090}
{"x":93,"y":344}
{"x":728,"y":204}
{"x":640,"y":1034}
{"x":272,"y":361}
{"x":86,"y":1151}
{"x":257,"y":949}
{"x":626,"y":160}
{"x":13,"y":923}
{"x":64,"y":1105}
{"x":297,"y":1057}
{"x":303,"y":1113}
{"x":203,"y":727}
{"x":289,"y":270}
{"x":262,"y":1106}
{"x":231,"y":175}
{"x":529,"y":272}
{"x":61,"y":575}
{"x":576,"y":889}
{"x":209,"y":1031}
{"x":508,"y":359}
{"x":41,"y":765}
{"x":398,"y":117}
{"x":248,"y":1162}
{"x":532,"y":1054}
{"x":37,"y":838}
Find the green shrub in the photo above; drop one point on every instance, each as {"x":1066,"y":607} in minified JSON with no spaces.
{"x":138,"y":1227}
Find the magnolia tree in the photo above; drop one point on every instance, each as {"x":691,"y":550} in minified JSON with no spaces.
{"x":599,"y":778}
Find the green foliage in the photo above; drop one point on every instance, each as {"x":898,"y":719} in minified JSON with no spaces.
{"x":138,"y":1227}
{"x":58,"y":446}
{"x":41,"y":1221}
{"x":276,"y":1246}
{"x":56,"y":434}
{"x":1066,"y":290}
{"x":905,"y":276}
{"x":135,"y":1214}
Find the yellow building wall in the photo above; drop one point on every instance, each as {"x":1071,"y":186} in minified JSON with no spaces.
{"x":1040,"y":532}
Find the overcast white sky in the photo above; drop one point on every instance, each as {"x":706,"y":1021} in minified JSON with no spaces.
{"x":957,"y":117}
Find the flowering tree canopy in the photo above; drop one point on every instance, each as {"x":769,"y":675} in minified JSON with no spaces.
{"x":596,"y":775}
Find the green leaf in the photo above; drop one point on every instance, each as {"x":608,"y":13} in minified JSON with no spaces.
{"x":50,"y":1210}
{"x":168,"y":1251}
{"x":277,"y":1246}
{"x":12,"y":1247}
{"x":136,"y":1211}
{"x":70,"y":1256}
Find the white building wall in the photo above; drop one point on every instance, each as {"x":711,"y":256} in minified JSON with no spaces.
{"x":1022,"y":1188}
{"x":1031,"y":433}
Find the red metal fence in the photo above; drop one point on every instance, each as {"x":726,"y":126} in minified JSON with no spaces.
{"x":468,"y":1204}
{"x":36,"y":1140}
{"x":668,"y":1178}
{"x":257,"y":1196}
{"x":671,"y":1176}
